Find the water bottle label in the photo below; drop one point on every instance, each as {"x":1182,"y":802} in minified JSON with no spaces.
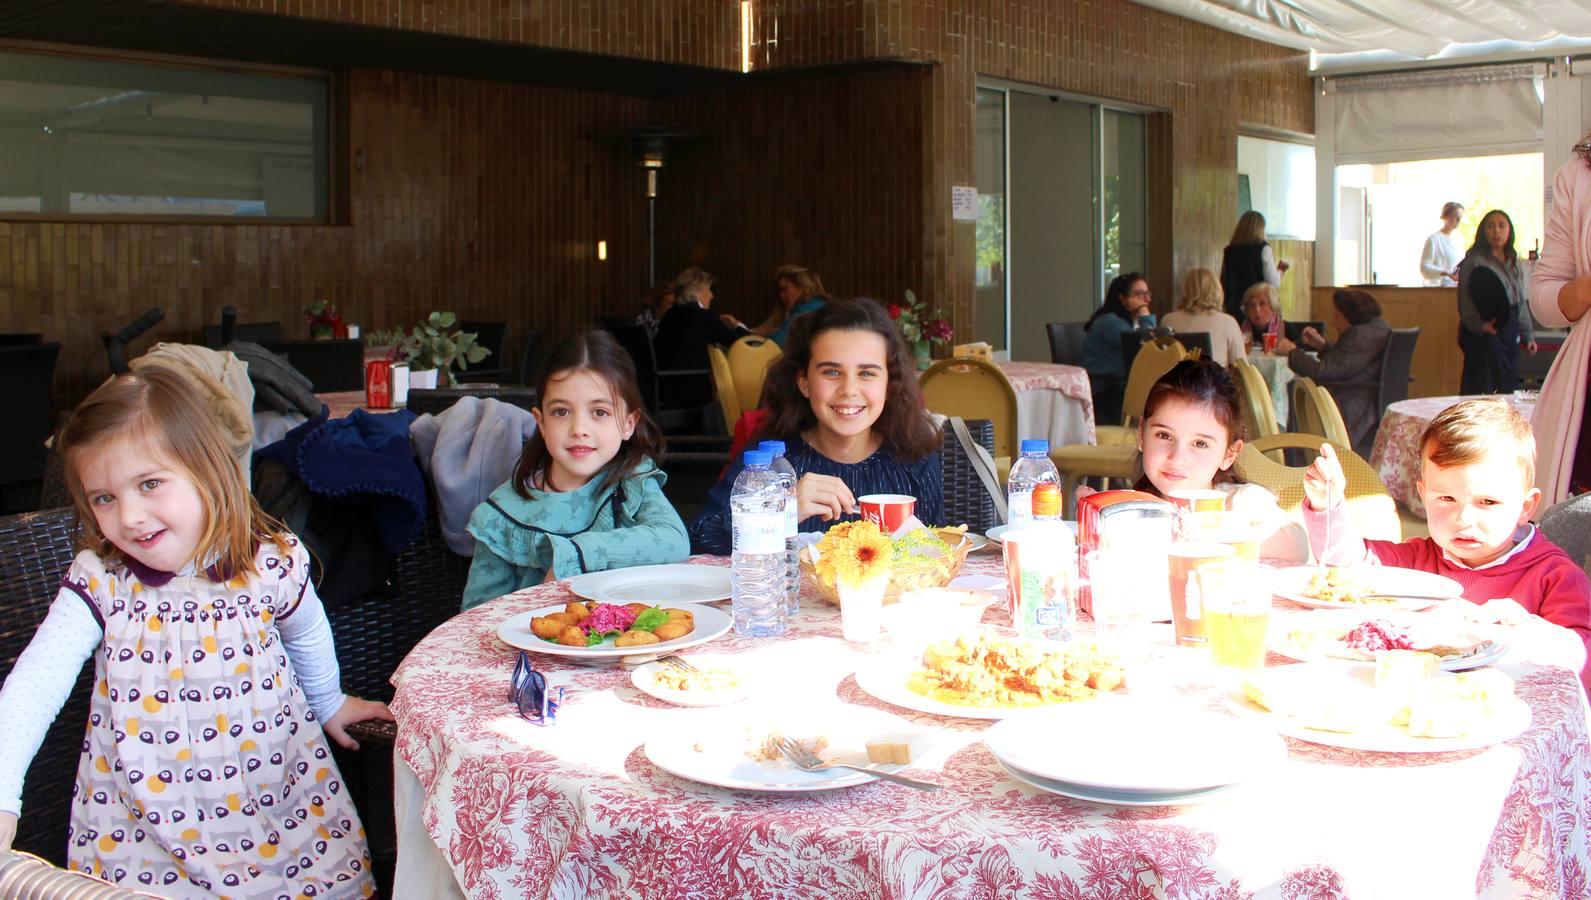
{"x":1048,"y":617}
{"x":759,"y":532}
{"x":1019,"y":507}
{"x":792,"y":522}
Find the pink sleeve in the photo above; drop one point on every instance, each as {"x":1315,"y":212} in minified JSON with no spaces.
{"x":1560,"y":249}
{"x":1346,"y":547}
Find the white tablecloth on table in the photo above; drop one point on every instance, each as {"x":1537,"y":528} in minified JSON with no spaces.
{"x":1279,"y":378}
{"x":573,"y":810}
{"x":1396,"y":454}
{"x":1053,"y":402}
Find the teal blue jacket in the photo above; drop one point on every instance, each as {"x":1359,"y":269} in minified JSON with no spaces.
{"x":518,"y":540}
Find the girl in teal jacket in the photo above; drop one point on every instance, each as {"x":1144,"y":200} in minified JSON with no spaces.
{"x":587,"y":495}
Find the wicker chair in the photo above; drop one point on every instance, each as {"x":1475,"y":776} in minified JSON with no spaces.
{"x":35,"y":552}
{"x":967,"y":502}
{"x":724,"y":386}
{"x":436,"y":400}
{"x":24,"y":876}
{"x":1372,"y":509}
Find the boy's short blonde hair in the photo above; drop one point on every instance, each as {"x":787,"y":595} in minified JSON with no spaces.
{"x":1468,"y":432}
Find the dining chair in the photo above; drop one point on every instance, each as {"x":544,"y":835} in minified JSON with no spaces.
{"x":24,"y":876}
{"x":494,"y":337}
{"x":1259,"y":411}
{"x":28,"y":373}
{"x":1372,"y":509}
{"x":1153,"y":359}
{"x":36,"y":549}
{"x":1306,"y":417}
{"x":967,"y":501}
{"x":215,"y":336}
{"x":976,"y":389}
{"x":1331,"y":421}
{"x":436,"y":400}
{"x":531,"y":357}
{"x":1395,"y":365}
{"x":749,"y":359}
{"x":724,"y":386}
{"x":1067,"y":340}
{"x":672,"y":417}
{"x":335,"y":365}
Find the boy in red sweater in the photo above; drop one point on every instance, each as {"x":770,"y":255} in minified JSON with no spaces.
{"x":1478,"y":475}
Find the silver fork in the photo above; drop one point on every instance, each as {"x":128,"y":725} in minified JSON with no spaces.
{"x":809,"y":761}
{"x":678,"y":663}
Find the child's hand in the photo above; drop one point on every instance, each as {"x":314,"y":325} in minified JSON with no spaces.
{"x":353,"y":710}
{"x":1324,"y":483}
{"x":1082,"y":491}
{"x":8,"y":830}
{"x":823,"y":495}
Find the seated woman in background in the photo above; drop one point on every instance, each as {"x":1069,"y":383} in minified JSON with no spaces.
{"x":844,"y":400}
{"x":1126,"y":309}
{"x":1199,"y":309}
{"x":1262,"y":314}
{"x":655,"y":305}
{"x":684,"y":333}
{"x":1351,"y":368}
{"x":800,"y":292}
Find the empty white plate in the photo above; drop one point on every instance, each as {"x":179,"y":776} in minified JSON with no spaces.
{"x":654,"y":585}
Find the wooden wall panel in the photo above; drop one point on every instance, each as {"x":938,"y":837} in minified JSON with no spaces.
{"x":480,"y":197}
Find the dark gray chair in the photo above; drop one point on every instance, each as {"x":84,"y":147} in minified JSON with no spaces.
{"x":28,"y":373}
{"x":254,"y":332}
{"x":496,"y":367}
{"x":1066,"y":342}
{"x":329,"y":365}
{"x":1395,"y":366}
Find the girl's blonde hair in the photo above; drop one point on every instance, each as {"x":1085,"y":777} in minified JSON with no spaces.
{"x":1250,"y":229}
{"x":1201,"y":292}
{"x":162,"y":410}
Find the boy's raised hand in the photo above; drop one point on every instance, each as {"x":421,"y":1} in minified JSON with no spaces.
{"x":353,"y":710}
{"x":8,"y":830}
{"x":1324,"y":483}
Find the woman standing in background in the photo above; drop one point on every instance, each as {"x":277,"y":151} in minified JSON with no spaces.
{"x":1494,"y":317}
{"x":1247,"y":261}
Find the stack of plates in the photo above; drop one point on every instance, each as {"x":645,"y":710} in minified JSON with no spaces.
{"x":1133,"y":753}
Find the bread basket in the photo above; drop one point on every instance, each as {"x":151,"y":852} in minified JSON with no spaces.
{"x":920,"y":570}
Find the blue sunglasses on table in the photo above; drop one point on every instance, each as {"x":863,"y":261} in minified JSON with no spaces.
{"x":528,"y":691}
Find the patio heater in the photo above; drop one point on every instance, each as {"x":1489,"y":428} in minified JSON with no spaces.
{"x":650,"y":146}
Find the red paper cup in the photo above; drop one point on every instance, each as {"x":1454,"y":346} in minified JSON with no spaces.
{"x":1270,"y":342}
{"x":887,"y":511}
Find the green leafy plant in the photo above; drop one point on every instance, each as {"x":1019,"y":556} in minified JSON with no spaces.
{"x":437,"y":343}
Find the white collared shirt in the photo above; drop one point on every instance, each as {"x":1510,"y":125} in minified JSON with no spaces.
{"x":1520,"y":544}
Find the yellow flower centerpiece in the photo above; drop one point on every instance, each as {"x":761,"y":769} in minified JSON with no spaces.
{"x":923,"y":558}
{"x":857,"y":559}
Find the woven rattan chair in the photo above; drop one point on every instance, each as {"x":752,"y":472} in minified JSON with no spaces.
{"x":724,"y":386}
{"x":35,"y":552}
{"x":1372,"y":509}
{"x":967,"y":501}
{"x":24,"y":876}
{"x":975,"y":389}
{"x":435,"y":400}
{"x":749,"y":359}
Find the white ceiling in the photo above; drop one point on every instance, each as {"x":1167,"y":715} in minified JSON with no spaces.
{"x":1353,"y":32}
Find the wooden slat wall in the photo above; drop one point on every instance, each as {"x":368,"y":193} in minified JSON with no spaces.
{"x":480,"y":197}
{"x":1437,"y":360}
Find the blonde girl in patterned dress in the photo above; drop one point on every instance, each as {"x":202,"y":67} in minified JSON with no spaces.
{"x":206,"y":767}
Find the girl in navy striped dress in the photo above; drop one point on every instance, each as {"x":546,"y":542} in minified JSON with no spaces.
{"x":844,"y":399}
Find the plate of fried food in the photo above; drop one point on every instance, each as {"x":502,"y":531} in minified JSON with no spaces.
{"x":1359,"y":587}
{"x":606,"y":630}
{"x":985,"y":675}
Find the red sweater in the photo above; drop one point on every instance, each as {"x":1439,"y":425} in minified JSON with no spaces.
{"x":1541,"y":577}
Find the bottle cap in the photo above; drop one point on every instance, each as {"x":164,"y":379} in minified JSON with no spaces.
{"x":774,"y":449}
{"x":758,"y":459}
{"x":1035,"y":445}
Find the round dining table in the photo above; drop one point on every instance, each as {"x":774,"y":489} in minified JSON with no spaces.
{"x":490,"y":805}
{"x":1278,"y":378}
{"x":1396,"y":453}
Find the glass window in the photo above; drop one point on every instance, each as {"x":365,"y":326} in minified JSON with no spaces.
{"x":96,"y":137}
{"x":1278,"y":179}
{"x":1126,"y":238}
{"x":990,"y":268}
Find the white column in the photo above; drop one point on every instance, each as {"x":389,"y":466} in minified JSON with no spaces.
{"x":1325,"y":187}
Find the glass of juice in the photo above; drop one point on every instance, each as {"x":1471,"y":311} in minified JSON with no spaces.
{"x":1186,"y":562}
{"x":1240,"y":530}
{"x":1237,"y":613}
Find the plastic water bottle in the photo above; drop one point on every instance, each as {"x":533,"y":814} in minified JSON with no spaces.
{"x":1033,"y":490}
{"x":792,"y":524}
{"x":759,"y":571}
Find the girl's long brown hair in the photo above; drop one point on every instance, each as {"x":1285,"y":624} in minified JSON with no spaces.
{"x":903,"y":424}
{"x":164,"y":411}
{"x":596,"y":352}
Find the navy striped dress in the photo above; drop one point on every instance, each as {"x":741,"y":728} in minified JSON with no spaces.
{"x":880,"y":473}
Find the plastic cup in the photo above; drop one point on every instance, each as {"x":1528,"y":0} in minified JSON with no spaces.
{"x":1270,"y":342}
{"x":887,"y":511}
{"x":1240,"y":531}
{"x":1041,"y":581}
{"x":1237,"y":613}
{"x":1186,"y":562}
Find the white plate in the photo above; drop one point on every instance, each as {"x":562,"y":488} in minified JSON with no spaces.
{"x":997,"y":533}
{"x":1135,"y":747}
{"x":885,"y":678}
{"x":722,"y":760}
{"x":668,"y":585}
{"x":645,"y":680}
{"x":1115,"y":798}
{"x":1423,"y":627}
{"x":1290,"y":584}
{"x":710,"y":623}
{"x":1509,"y":723}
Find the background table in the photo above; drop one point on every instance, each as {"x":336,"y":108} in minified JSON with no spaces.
{"x":491,"y":806}
{"x":1396,"y":454}
{"x":1053,"y":402}
{"x":1279,"y":378}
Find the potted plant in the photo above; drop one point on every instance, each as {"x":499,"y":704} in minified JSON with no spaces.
{"x":436,"y":346}
{"x":323,"y":319}
{"x":919,"y":327}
